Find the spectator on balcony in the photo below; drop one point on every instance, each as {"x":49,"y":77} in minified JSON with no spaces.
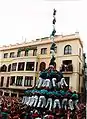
{"x":70,"y":67}
{"x":65,"y":67}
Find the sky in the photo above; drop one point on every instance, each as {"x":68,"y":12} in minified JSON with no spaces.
{"x":32,"y":19}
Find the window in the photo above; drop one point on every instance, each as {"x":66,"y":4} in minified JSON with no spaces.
{"x":14,"y":66}
{"x":13,"y":95}
{"x":30,"y":66}
{"x":67,"y":49}
{"x":67,"y":65}
{"x":26,"y":53}
{"x":19,"y":53}
{"x":19,"y":80}
{"x":80,"y":68}
{"x":6,"y":94}
{"x":7,"y":85}
{"x":42,"y":66}
{"x":35,"y":82}
{"x":22,"y":53}
{"x":5,"y":55}
{"x":2,"y":81}
{"x":44,"y":51}
{"x":79,"y":83}
{"x":28,"y":80}
{"x":3,"y":68}
{"x":21,"y":66}
{"x":36,"y":66}
{"x":12,"y":55}
{"x":9,"y":67}
{"x":80,"y":52}
{"x":34,"y":52}
{"x":12,"y":81}
{"x":1,"y":93}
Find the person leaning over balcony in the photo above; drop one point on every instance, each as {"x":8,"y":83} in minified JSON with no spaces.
{"x":65,"y":67}
{"x":70,"y":67}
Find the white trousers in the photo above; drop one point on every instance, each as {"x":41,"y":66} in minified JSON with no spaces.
{"x":49,"y":103}
{"x":31,"y":101}
{"x":64,"y":103}
{"x":53,"y":82}
{"x":25,"y":99}
{"x":76,"y":104}
{"x":42,"y":101}
{"x":71,"y":106}
{"x":39,"y":82}
{"x":57,"y":102}
{"x":62,"y":82}
{"x":35,"y":100}
{"x":46,"y":83}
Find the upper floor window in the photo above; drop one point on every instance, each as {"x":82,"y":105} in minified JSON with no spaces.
{"x":36,"y":66}
{"x":67,"y":65}
{"x":12,"y":55}
{"x":8,"y":79}
{"x":5,"y":55}
{"x":9,"y":67}
{"x":42,"y":66}
{"x":80,"y":52}
{"x":3,"y":68}
{"x":30,"y":66}
{"x":34,"y":52}
{"x":67,"y":49}
{"x":12,"y":80}
{"x":19,"y":80}
{"x":14,"y":66}
{"x":44,"y":51}
{"x":19,"y":53}
{"x":2,"y":81}
{"x":79,"y":67}
{"x":26,"y":53}
{"x":21,"y":66}
{"x":28,"y":80}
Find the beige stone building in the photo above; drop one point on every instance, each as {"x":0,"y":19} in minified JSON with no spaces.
{"x":20,"y":64}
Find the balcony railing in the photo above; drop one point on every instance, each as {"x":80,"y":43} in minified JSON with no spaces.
{"x":67,"y":68}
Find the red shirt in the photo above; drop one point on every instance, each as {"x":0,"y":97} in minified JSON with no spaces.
{"x":50,"y":117}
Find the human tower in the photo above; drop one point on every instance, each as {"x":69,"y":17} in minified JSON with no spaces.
{"x":51,"y":95}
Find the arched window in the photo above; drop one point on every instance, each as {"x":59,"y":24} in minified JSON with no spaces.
{"x":42,"y":66}
{"x":3,"y":68}
{"x":67,"y":49}
{"x":9,"y":67}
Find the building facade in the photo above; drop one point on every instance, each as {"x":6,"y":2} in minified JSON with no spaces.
{"x":20,"y":64}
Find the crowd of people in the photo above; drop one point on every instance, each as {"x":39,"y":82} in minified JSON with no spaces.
{"x":13,"y":108}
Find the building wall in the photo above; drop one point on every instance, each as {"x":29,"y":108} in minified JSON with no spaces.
{"x":75,"y":76}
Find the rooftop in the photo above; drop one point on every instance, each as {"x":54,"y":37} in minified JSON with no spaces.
{"x":41,"y":41}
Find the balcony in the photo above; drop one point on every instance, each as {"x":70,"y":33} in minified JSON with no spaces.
{"x":20,"y":87}
{"x":27,"y":52}
{"x":66,"y":68}
{"x":20,"y":83}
